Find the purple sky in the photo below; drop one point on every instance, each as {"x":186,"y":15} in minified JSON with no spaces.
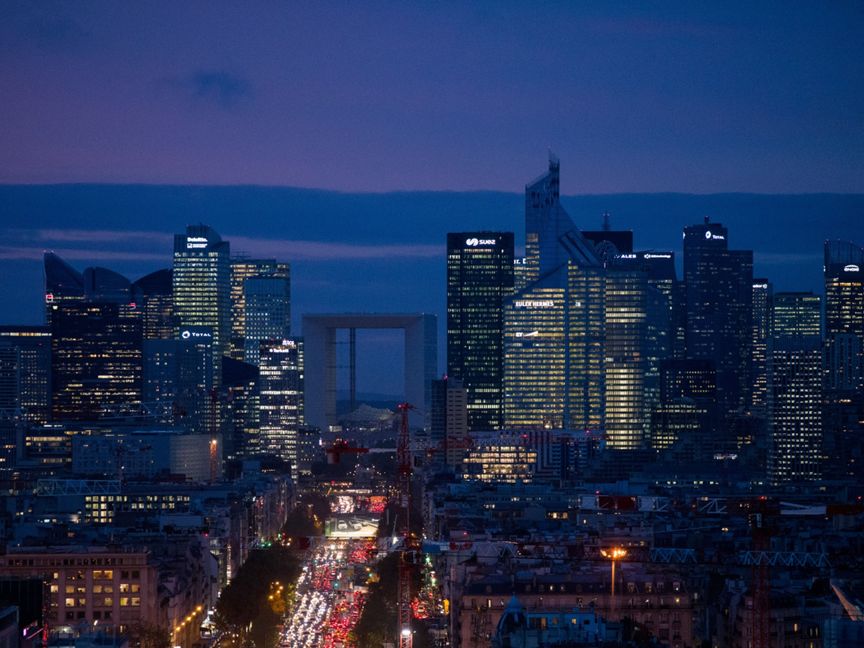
{"x":369,"y":96}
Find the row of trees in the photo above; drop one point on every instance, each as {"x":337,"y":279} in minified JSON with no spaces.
{"x":251,"y":607}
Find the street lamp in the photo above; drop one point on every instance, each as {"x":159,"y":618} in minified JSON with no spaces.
{"x":613,"y":554}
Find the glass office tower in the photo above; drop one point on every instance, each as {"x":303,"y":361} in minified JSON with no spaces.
{"x":719,"y":306}
{"x":281,"y":398}
{"x":554,"y":327}
{"x":267,"y":313}
{"x":479,"y":278}
{"x":241,"y":270}
{"x":795,"y":388}
{"x":200,"y":283}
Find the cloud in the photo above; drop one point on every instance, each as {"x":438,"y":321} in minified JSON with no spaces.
{"x":97,"y":236}
{"x":294,"y":250}
{"x":99,"y":244}
{"x":786,"y":258}
{"x":32,"y":253}
{"x":216,"y":87}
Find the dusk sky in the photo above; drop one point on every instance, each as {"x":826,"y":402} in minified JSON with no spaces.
{"x":373,"y":96}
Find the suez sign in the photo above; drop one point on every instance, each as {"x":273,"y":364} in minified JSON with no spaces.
{"x":195,"y":242}
{"x":475,"y":242}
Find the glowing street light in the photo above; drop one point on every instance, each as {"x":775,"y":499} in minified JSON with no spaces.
{"x":614,"y":554}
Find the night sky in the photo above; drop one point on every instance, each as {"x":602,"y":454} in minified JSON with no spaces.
{"x":365,"y":98}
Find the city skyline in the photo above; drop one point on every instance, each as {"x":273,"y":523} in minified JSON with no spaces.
{"x":431,"y":325}
{"x":348,"y":251}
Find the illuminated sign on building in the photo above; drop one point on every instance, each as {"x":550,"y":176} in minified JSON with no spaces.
{"x":474,"y":242}
{"x":716,"y":237}
{"x":534,"y":303}
{"x":654,"y":255}
{"x":851,"y":268}
{"x":195,"y":242}
{"x":531,"y":334}
{"x":284,"y":347}
{"x":186,"y":334}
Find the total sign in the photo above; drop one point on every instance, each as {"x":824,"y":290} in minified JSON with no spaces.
{"x":474,"y":242}
{"x":188,"y":334}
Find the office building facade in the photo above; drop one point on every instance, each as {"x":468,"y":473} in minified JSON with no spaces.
{"x":719,"y":310}
{"x":96,"y":360}
{"x":32,"y":345}
{"x":554,"y":327}
{"x":241,"y":270}
{"x":267,"y":306}
{"x":479,"y":278}
{"x":200,"y":282}
{"x":281,"y":411}
{"x":795,"y":388}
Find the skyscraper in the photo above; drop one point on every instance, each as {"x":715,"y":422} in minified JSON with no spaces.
{"x":762,"y":296}
{"x":449,"y":420}
{"x":63,"y":284}
{"x":640,"y":335}
{"x":95,"y":332}
{"x":267,"y":312}
{"x":844,"y":358}
{"x":554,"y":327}
{"x":281,"y":393}
{"x":33,"y":345}
{"x":795,"y":388}
{"x":154,"y":296}
{"x":95,"y":360}
{"x":479,"y":278}
{"x":719,"y":306}
{"x":685,"y":417}
{"x":200,"y":281}
{"x":178,"y":381}
{"x":844,"y":316}
{"x":241,"y":270}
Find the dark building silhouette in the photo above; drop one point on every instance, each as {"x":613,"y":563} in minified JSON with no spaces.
{"x":96,"y":360}
{"x":96,"y":339}
{"x":32,"y":348}
{"x":63,"y":284}
{"x":479,"y":278}
{"x":154,"y":297}
{"x":843,"y":407}
{"x":719,"y":310}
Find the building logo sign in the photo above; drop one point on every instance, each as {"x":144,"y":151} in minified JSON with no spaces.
{"x":195,"y":242}
{"x":474,"y":242}
{"x":186,"y":334}
{"x":654,"y":255}
{"x":851,"y":268}
{"x":534,"y":303}
{"x":712,"y":236}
